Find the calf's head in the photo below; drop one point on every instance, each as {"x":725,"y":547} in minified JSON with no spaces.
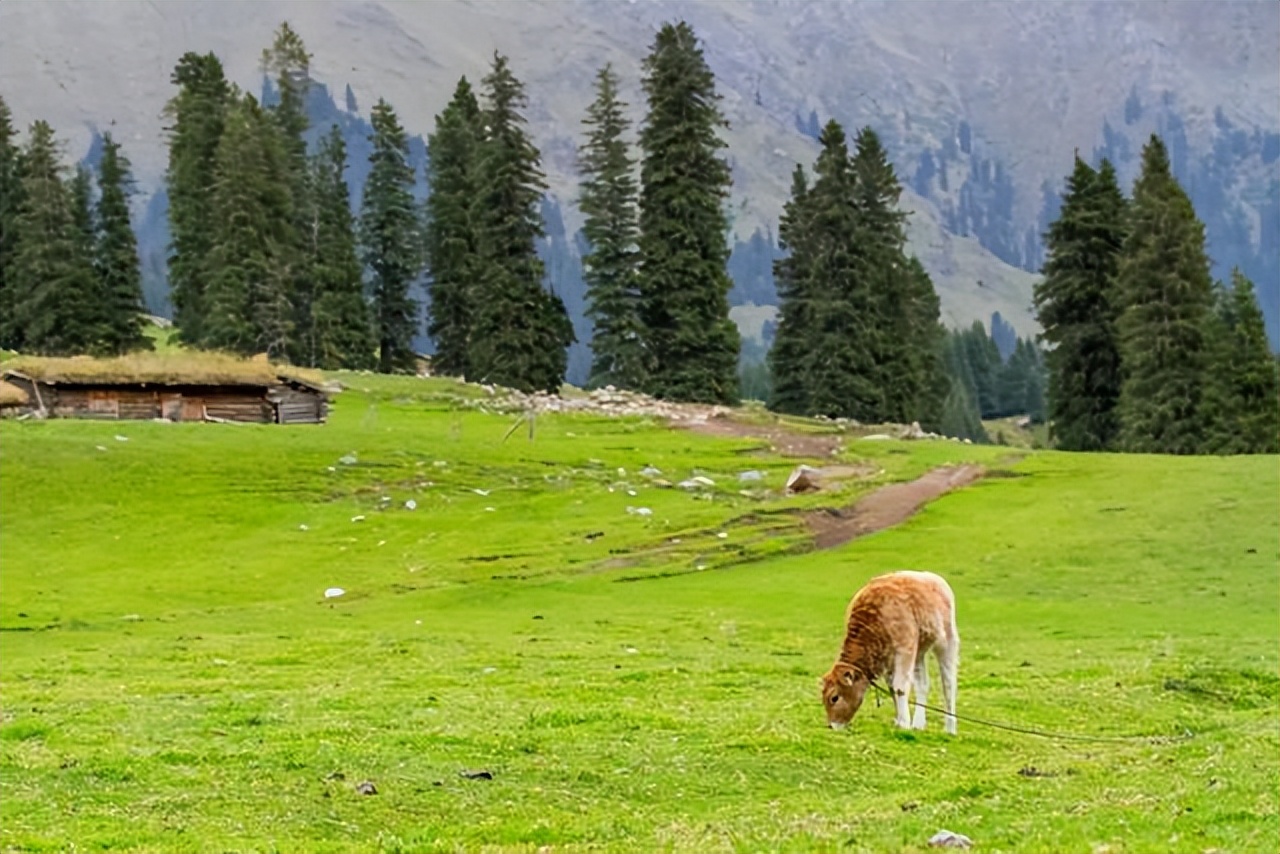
{"x":842,"y":691}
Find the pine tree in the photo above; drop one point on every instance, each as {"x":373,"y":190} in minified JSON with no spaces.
{"x":608,"y":203}
{"x":1077,"y":304}
{"x":246,"y":299}
{"x":340,"y":332}
{"x":521,"y":332}
{"x":683,"y":282}
{"x":391,"y":241}
{"x":197,"y":114}
{"x":789,"y":356}
{"x":289,"y":63}
{"x":923,"y":370}
{"x":883,"y":276}
{"x":1242,"y":401}
{"x":54,"y":285}
{"x":451,"y":250}
{"x":10,"y":203}
{"x":1165,"y":294}
{"x":116,"y":256}
{"x":842,"y":370}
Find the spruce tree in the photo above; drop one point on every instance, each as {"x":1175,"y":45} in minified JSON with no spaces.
{"x":10,"y":202}
{"x":1165,"y":293}
{"x":391,"y":241}
{"x":54,"y":286}
{"x":683,"y":282}
{"x":891,"y":329}
{"x":289,"y":64}
{"x":923,"y":369}
{"x":247,"y":290}
{"x":520,"y":332}
{"x":340,"y":331}
{"x":116,"y":256}
{"x":608,"y":203}
{"x":451,"y":250}
{"x":196,"y":114}
{"x":1242,"y":399}
{"x":1077,"y":304}
{"x":789,"y":357}
{"x":842,"y":365}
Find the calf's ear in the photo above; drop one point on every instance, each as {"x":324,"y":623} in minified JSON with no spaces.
{"x":847,"y":678}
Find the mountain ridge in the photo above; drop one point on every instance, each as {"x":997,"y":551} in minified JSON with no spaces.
{"x":930,"y":77}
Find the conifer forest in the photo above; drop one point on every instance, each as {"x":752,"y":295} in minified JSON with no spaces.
{"x":1140,"y":350}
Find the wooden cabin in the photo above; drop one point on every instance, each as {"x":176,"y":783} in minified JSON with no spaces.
{"x":247,"y":392}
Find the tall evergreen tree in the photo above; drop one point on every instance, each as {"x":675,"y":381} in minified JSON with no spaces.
{"x":883,"y":275}
{"x":842,"y":361}
{"x":683,"y":282}
{"x":923,"y":368}
{"x":1242,"y":400}
{"x":1077,"y":304}
{"x":289,"y":64}
{"x":451,"y":249}
{"x":391,"y":241}
{"x":116,"y":256}
{"x":1166,"y":293}
{"x":54,"y":285}
{"x":608,"y":203}
{"x":789,"y":358}
{"x":247,"y":290}
{"x":10,"y":203}
{"x":340,"y":332}
{"x":196,"y":114}
{"x":521,"y":332}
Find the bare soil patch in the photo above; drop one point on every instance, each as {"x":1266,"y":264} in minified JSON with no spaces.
{"x":788,"y":443}
{"x":887,"y":506}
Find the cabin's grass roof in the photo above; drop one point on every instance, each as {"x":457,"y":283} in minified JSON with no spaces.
{"x":11,"y":395}
{"x":184,"y":368}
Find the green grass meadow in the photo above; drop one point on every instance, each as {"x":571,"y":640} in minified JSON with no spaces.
{"x":172,"y":677}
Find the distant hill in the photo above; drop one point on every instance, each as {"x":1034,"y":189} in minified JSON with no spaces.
{"x":981,"y":106}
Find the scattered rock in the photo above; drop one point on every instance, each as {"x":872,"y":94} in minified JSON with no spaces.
{"x":348,"y":459}
{"x":366,"y":787}
{"x":876,"y":437}
{"x":476,"y":774}
{"x":120,"y":438}
{"x":639,"y":511}
{"x":335,"y":775}
{"x":357,"y":518}
{"x":650,"y":471}
{"x":751,"y":475}
{"x":411,"y":505}
{"x":303,"y":527}
{"x":480,"y":491}
{"x":913,"y":432}
{"x":802,"y":479}
{"x":948,"y":839}
{"x":910,"y":806}
{"x":333,"y":592}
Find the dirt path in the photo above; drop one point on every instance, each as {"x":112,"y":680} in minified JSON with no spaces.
{"x":788,"y":443}
{"x":887,"y":506}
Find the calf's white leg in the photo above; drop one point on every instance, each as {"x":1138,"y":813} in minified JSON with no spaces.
{"x":922,"y":691}
{"x":949,"y":664}
{"x":903,"y":667}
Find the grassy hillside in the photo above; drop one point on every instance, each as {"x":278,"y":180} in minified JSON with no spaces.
{"x":173,"y":678}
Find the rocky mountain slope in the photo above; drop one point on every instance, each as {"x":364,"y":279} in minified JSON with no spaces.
{"x":981,"y":105}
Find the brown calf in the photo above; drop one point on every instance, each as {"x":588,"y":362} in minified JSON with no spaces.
{"x":892,"y":622}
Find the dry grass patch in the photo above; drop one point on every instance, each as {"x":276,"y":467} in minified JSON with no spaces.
{"x":185,"y":368}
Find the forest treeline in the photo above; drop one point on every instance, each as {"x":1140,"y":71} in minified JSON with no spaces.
{"x":1145,"y":352}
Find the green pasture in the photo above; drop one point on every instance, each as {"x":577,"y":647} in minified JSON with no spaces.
{"x":172,"y":677}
